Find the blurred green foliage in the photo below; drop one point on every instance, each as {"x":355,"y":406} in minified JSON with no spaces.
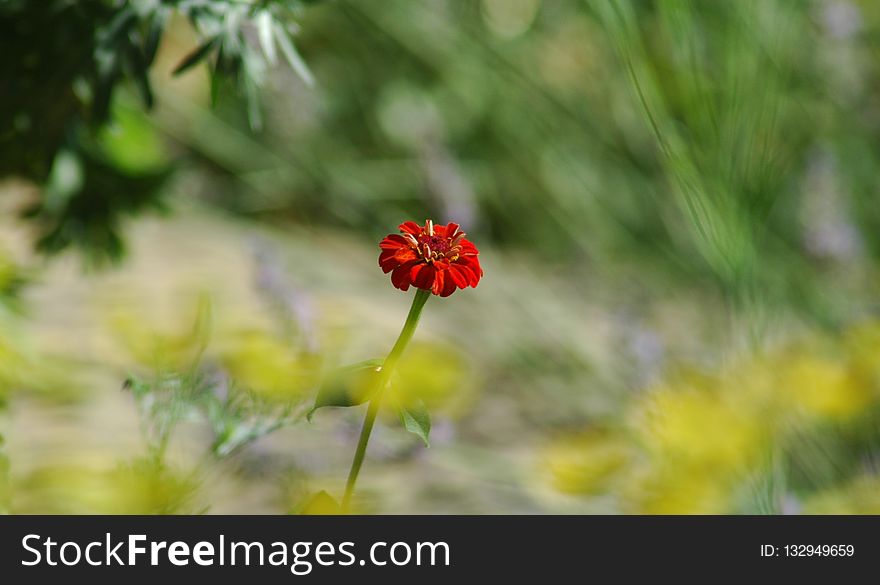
{"x":63,"y":63}
{"x":681,"y":135}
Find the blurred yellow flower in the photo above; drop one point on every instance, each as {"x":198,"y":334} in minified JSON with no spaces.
{"x":174,"y":348}
{"x":698,"y":438}
{"x":92,"y":485}
{"x":822,"y":386}
{"x":699,"y":426}
{"x":862,"y":343}
{"x":267,"y":366}
{"x":679,"y":491}
{"x":434,"y":373}
{"x":701,"y":437}
{"x":11,"y":362}
{"x":586,"y":463}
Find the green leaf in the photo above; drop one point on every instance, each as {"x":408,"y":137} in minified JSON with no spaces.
{"x":196,"y":56}
{"x":140,"y":71}
{"x":107,"y":76}
{"x":293,"y":57}
{"x":154,"y":35}
{"x":348,"y":386}
{"x":415,"y":418}
{"x":267,"y":41}
{"x":252,"y":102}
{"x":318,"y":504}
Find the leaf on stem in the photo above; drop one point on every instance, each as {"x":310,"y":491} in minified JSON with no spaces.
{"x":293,"y":57}
{"x":154,"y":36}
{"x":266,"y":36}
{"x":415,"y":418}
{"x":196,"y":56}
{"x":348,"y":386}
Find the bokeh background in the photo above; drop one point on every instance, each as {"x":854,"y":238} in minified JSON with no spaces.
{"x":676,"y":207}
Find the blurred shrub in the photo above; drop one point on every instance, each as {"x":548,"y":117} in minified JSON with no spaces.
{"x":63,"y":65}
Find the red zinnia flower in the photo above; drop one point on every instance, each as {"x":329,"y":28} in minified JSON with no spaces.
{"x":431,"y":257}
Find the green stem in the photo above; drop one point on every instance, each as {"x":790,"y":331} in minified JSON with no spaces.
{"x":409,"y":328}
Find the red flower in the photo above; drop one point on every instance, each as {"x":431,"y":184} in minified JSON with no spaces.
{"x":431,"y":257}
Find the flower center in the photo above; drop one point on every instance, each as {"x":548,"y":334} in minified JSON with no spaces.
{"x":436,"y":244}
{"x":430,"y":246}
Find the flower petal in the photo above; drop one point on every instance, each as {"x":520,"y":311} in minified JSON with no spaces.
{"x":467,"y":248}
{"x":473,"y":263}
{"x":422,"y":276}
{"x":470,"y":267}
{"x":393,"y":242}
{"x":448,"y":286}
{"x":388,"y":261}
{"x":459,"y":275}
{"x":400,"y":277}
{"x":439,"y":279}
{"x":405,"y":255}
{"x":410,"y":227}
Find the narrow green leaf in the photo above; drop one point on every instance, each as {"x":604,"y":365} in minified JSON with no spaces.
{"x":154,"y":35}
{"x":108,"y":75}
{"x":217,"y":76}
{"x":267,"y":40}
{"x":292,"y":55}
{"x":140,"y":71}
{"x":252,"y":102}
{"x":348,"y":386}
{"x":415,"y":418}
{"x":196,"y":56}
